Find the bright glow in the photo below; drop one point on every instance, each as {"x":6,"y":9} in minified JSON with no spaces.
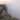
{"x":3,"y":1}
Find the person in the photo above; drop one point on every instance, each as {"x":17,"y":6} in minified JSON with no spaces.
{"x":3,"y":13}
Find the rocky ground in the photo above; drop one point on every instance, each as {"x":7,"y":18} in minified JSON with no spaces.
{"x":8,"y":17}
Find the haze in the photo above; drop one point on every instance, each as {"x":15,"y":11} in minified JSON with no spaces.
{"x":14,"y":8}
